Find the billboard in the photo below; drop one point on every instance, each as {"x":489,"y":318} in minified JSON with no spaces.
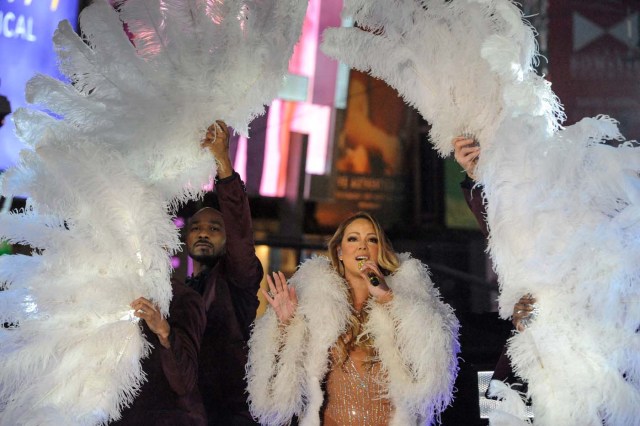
{"x":594,"y":59}
{"x":26,"y":48}
{"x":372,"y":150}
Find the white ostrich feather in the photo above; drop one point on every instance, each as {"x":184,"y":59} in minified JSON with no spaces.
{"x":512,"y":410}
{"x":102,"y":171}
{"x":562,"y":206}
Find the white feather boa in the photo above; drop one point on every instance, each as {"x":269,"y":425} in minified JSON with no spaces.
{"x":563,"y":208}
{"x":121,"y":146}
{"x":415,"y":335}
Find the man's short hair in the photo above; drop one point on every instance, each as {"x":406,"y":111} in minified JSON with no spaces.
{"x":210,"y":199}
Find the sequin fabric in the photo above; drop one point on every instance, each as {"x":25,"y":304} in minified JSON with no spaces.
{"x":355,"y":394}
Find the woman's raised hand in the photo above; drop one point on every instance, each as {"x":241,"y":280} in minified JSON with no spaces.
{"x":281,"y":297}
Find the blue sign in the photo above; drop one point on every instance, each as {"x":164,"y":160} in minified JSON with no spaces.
{"x":26,"y":48}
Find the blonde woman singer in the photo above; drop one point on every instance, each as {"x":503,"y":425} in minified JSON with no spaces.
{"x":359,"y":338}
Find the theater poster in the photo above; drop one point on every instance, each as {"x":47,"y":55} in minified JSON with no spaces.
{"x":371,"y":163}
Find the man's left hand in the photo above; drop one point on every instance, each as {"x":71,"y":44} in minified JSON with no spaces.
{"x":150,"y":313}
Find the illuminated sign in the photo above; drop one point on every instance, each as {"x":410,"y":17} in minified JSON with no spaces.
{"x":306,"y":105}
{"x":26,"y":48}
{"x":19,"y":26}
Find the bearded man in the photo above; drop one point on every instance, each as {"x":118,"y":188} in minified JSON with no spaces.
{"x":227,"y":273}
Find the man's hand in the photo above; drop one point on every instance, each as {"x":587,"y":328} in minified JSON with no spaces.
{"x":523,"y":312}
{"x":466,"y":153}
{"x":147,"y":311}
{"x":217,"y":141}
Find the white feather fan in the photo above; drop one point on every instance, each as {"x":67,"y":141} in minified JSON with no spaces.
{"x":563,"y":207}
{"x":119,"y":149}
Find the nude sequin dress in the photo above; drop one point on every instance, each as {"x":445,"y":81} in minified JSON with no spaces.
{"x":355,"y":394}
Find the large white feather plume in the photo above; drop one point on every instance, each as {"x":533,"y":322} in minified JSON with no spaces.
{"x":119,"y":148}
{"x":436,"y":47}
{"x":563,"y":205}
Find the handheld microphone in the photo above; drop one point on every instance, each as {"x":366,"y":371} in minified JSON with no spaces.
{"x":373,"y":278}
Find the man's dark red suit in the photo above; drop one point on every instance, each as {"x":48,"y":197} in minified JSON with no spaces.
{"x":230,"y":295}
{"x":170,"y":394}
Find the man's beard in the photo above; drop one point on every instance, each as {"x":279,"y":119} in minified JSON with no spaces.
{"x":206,"y":260}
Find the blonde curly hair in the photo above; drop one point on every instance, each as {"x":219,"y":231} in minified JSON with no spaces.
{"x":387,"y":261}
